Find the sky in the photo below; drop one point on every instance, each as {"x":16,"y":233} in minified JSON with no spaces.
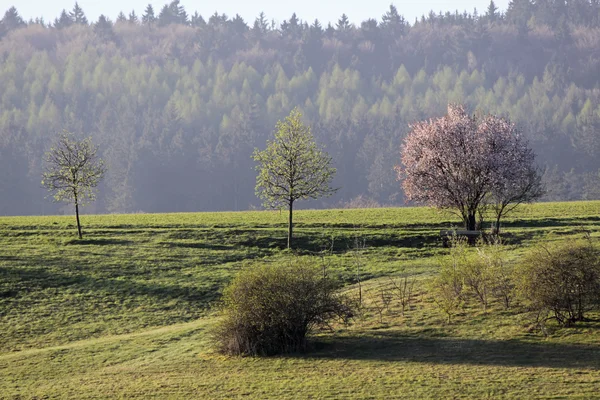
{"x":279,"y":10}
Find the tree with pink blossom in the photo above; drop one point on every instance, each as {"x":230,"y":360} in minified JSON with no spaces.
{"x":466,"y":163}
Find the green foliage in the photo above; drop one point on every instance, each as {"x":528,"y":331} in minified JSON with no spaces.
{"x":292,"y":167}
{"x":561,"y":281}
{"x":270,"y":309}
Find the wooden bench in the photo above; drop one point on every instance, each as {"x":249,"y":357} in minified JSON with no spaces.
{"x":471,"y":236}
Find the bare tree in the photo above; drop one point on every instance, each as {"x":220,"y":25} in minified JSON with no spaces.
{"x":73,"y":171}
{"x":404,"y":288}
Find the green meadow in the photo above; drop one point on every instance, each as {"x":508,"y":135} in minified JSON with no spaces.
{"x":126,"y":312}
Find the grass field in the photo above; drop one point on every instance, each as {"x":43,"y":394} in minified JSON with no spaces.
{"x":124,"y":313}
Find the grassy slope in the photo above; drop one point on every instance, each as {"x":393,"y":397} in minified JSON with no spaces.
{"x":123,"y":313}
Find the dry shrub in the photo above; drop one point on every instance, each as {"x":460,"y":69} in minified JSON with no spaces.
{"x":561,"y":282}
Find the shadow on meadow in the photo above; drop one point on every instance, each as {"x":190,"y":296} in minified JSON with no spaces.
{"x":99,"y":242}
{"x":510,"y":353}
{"x":343,"y":241}
{"x":551,"y":222}
{"x":18,"y":281}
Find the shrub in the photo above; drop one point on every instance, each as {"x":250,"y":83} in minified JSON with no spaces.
{"x":499,"y":272}
{"x":448,"y":288}
{"x":271,"y":309}
{"x":480,"y":276}
{"x":561,"y":282}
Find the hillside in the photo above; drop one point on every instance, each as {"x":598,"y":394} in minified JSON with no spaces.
{"x":125,"y":312}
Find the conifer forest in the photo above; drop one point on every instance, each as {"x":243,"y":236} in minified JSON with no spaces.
{"x":178,"y":101}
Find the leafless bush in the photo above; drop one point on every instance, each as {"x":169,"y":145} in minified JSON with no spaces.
{"x":561,"y":282}
{"x":404,"y":289}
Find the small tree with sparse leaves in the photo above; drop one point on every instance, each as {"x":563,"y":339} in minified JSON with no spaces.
{"x":292,"y":167}
{"x":73,"y":171}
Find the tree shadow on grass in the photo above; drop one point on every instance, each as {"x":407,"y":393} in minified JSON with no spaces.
{"x":18,"y":280}
{"x":308,"y":242}
{"x":198,"y":245}
{"x":98,"y":242}
{"x":510,"y":353}
{"x":551,"y":222}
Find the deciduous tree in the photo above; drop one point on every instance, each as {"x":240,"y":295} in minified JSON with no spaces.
{"x":464,"y":163}
{"x":73,"y":171}
{"x":292,"y":167}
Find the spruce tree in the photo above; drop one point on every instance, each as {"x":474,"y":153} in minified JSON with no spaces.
{"x":148,"y":17}
{"x":133,"y":18}
{"x":12,"y":19}
{"x":492,"y":11}
{"x":64,"y":21}
{"x":78,"y":16}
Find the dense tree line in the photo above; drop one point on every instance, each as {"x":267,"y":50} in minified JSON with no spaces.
{"x":178,"y":102}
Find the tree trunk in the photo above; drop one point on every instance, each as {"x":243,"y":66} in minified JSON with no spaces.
{"x":471,"y":226}
{"x":290,"y":225}
{"x":497,"y":227}
{"x":77,"y":216}
{"x":471,"y":222}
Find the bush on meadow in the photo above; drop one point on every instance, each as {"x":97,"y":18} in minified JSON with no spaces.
{"x":270,"y":309}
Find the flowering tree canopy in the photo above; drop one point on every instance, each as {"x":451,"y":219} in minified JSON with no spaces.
{"x":466,"y":163}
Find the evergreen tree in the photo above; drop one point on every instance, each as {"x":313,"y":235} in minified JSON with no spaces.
{"x":173,"y":13}
{"x":239,"y":25}
{"x":133,"y":18}
{"x":519,"y":12}
{"x":78,"y":16}
{"x":492,"y":12}
{"x":197,"y":20}
{"x":104,"y":29}
{"x":343,"y":24}
{"x":393,"y":22}
{"x":261,"y":23}
{"x":121,"y":17}
{"x":64,"y":21}
{"x":148,"y":17}
{"x":12,"y":20}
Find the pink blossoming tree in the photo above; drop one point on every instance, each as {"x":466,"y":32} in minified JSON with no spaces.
{"x":467,"y":163}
